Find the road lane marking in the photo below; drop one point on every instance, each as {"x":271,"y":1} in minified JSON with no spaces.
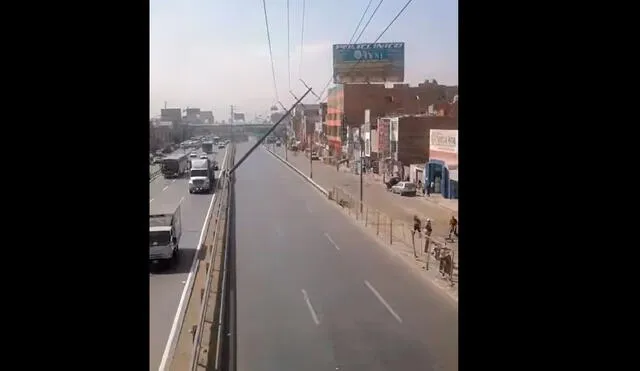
{"x":384,"y":302}
{"x":313,"y":312}
{"x":182,"y":199}
{"x":331,"y":240}
{"x":151,"y":200}
{"x":308,"y":208}
{"x":165,"y":188}
{"x":173,"y":181}
{"x":177,"y":320}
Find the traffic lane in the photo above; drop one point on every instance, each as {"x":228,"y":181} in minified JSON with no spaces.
{"x":429,"y":316}
{"x":427,"y":335}
{"x":424,"y":307}
{"x":160,"y":184}
{"x":166,"y":284}
{"x":296,"y":256}
{"x":348,"y":328}
{"x":275,"y":328}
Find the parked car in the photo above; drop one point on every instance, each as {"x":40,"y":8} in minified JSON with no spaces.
{"x":404,"y":189}
{"x":391,"y":182}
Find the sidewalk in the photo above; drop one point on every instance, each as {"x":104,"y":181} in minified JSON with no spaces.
{"x":375,"y":194}
{"x":389,"y":218}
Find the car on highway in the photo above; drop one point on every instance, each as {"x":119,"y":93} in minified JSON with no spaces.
{"x":193,"y":155}
{"x":221,"y":146}
{"x":204,"y":157}
{"x":404,"y":189}
{"x":278,"y":143}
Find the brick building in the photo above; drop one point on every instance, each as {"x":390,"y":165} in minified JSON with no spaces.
{"x":406,"y":138}
{"x":346,"y":104}
{"x":304,"y":119}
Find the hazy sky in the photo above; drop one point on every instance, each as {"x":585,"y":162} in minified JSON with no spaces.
{"x":213,"y":53}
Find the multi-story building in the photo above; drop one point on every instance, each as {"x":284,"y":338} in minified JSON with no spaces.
{"x":160,"y":134}
{"x":346,"y":104}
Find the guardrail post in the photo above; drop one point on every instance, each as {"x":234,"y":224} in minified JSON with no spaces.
{"x":366,"y":216}
{"x":390,"y":231}
{"x":378,"y":223}
{"x":193,"y":330}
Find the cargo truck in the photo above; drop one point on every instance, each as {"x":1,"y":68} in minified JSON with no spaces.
{"x":165,"y":230}
{"x":175,"y":165}
{"x":203,"y":175}
{"x":207,"y":147}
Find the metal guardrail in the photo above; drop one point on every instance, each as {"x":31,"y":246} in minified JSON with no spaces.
{"x":197,"y":325}
{"x":196,"y":269}
{"x":220,"y":304}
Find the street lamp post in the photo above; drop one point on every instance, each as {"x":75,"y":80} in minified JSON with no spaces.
{"x":310,"y":158}
{"x":361,"y":171}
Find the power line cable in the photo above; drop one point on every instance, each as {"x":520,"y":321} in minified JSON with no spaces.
{"x":352,"y":41}
{"x":288,"y":47}
{"x":273,"y":69}
{"x":368,"y":21}
{"x":377,"y":38}
{"x":360,"y":22}
{"x":304,"y":2}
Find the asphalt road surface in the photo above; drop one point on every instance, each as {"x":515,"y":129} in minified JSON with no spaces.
{"x":166,"y":285}
{"x":315,"y":292}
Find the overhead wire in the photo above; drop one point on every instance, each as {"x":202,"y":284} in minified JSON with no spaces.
{"x":273,"y":69}
{"x":369,"y":21}
{"x":352,"y":41}
{"x":288,"y":47}
{"x":377,"y":38}
{"x":304,"y":2}
{"x":360,"y":22}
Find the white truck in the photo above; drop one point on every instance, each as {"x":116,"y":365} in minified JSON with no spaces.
{"x":202,"y":176}
{"x":165,"y":230}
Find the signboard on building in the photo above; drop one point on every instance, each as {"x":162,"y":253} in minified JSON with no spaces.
{"x":368,"y":62}
{"x":367,"y":143}
{"x":395,"y":122}
{"x":383,"y":137}
{"x":443,"y":146}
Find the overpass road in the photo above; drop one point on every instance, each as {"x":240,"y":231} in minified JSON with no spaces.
{"x":315,"y":292}
{"x":166,"y":285}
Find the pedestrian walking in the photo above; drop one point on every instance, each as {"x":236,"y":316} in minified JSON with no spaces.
{"x":446,"y":263}
{"x":427,"y":232}
{"x":417,"y":226}
{"x":453,"y":226}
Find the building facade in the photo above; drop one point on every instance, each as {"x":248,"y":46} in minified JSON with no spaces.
{"x":346,"y":104}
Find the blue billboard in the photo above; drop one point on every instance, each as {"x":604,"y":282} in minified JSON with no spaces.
{"x":368,"y":62}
